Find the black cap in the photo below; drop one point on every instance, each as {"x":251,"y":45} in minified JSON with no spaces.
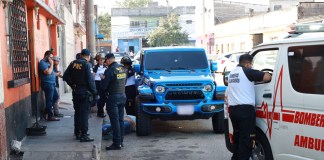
{"x":109,"y":55}
{"x":85,"y":52}
{"x":78,"y":55}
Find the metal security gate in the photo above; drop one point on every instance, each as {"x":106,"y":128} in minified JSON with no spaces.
{"x":18,"y":43}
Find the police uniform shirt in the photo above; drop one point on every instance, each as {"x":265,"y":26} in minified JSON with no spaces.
{"x":241,"y":85}
{"x":114,"y":81}
{"x":78,"y":75}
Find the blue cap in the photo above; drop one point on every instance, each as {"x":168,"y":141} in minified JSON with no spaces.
{"x":85,"y":52}
{"x":109,"y":55}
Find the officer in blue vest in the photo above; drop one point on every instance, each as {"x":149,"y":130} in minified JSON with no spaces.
{"x":113,"y":82}
{"x":241,"y":101}
{"x":79,"y":77}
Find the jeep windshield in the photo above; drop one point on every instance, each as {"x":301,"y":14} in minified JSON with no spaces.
{"x":175,"y":60}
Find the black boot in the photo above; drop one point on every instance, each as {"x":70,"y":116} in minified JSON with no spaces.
{"x":113,"y":147}
{"x":102,"y":115}
{"x":78,"y":136}
{"x":86,"y":138}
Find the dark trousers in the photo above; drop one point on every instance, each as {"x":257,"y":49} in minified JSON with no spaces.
{"x":130,"y":99}
{"x":102,"y":98}
{"x":115,"y":109}
{"x":243,"y":121}
{"x":51,"y":97}
{"x":81,"y":106}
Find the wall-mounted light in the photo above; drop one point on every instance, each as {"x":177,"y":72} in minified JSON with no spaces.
{"x":49,"y":22}
{"x":5,"y":2}
{"x":36,"y":11}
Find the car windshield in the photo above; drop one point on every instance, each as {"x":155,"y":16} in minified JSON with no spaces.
{"x":176,"y":60}
{"x":119,"y":55}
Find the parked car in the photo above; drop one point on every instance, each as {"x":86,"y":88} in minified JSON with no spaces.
{"x":175,"y":83}
{"x":232,"y":61}
{"x":119,"y":56}
{"x":221,"y":61}
{"x":137,"y":57}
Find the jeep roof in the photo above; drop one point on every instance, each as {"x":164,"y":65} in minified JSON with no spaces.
{"x":174,"y":48}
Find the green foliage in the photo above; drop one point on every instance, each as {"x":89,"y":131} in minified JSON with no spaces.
{"x":168,"y":33}
{"x":104,"y":24}
{"x":133,"y":3}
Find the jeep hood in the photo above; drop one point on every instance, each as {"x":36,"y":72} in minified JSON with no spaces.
{"x":191,"y":77}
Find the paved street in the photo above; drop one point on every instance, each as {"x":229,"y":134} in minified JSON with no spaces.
{"x":172,"y":140}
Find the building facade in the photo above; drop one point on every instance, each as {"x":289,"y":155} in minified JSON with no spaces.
{"x":28,"y":28}
{"x":243,"y":34}
{"x":130,"y":27}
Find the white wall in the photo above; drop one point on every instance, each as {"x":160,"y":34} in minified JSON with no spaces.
{"x":273,"y":25}
{"x":69,"y":37}
{"x":189,"y":28}
{"x":204,"y":21}
{"x":69,"y":41}
{"x":119,"y":29}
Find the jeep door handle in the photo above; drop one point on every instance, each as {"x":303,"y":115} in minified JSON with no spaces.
{"x":267,"y":95}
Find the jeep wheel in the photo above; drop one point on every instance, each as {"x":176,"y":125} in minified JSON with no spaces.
{"x":143,"y":121}
{"x":218,"y":122}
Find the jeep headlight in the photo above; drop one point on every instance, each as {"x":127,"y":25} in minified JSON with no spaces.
{"x":208,"y":88}
{"x":160,"y":89}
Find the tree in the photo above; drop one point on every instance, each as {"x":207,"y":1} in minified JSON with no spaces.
{"x":104,"y":24}
{"x":168,"y":33}
{"x":133,"y":3}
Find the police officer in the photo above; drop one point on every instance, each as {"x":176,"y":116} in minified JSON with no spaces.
{"x":113,"y":83}
{"x":98,"y":71}
{"x":130,"y":88}
{"x":241,"y":100}
{"x":79,"y":77}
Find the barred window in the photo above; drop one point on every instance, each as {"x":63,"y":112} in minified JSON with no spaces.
{"x":18,"y":48}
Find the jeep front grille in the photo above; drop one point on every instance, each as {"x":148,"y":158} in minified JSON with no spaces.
{"x":184,"y":84}
{"x":185,"y":95}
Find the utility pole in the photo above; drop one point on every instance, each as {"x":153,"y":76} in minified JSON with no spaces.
{"x":90,"y":28}
{"x":203,"y":24}
{"x":167,"y":1}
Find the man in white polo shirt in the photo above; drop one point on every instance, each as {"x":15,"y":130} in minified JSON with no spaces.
{"x":241,"y":101}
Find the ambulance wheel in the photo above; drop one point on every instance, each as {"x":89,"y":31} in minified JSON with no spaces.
{"x":262,"y":148}
{"x":218,"y":122}
{"x":143,"y":121}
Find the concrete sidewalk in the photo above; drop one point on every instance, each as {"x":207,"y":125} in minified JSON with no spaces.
{"x":59,"y":142}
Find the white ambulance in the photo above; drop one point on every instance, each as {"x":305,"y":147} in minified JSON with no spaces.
{"x":289,"y":108}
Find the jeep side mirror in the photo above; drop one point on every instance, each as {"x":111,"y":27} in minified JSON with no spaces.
{"x":137,"y":68}
{"x":213,"y":66}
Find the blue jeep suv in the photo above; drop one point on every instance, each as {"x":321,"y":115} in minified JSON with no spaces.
{"x":176,"y":83}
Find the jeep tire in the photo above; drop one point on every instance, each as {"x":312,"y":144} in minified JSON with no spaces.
{"x":143,"y":121}
{"x":218,"y":122}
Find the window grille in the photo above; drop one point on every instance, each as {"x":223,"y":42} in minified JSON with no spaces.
{"x":18,"y":43}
